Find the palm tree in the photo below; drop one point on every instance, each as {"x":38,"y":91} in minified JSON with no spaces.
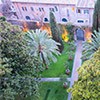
{"x":42,"y":46}
{"x":90,"y":48}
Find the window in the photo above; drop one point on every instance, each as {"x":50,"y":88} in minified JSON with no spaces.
{"x":56,"y":8}
{"x":10,"y":8}
{"x":86,"y":11}
{"x":40,"y":9}
{"x":86,"y":21}
{"x":46,"y":19}
{"x":32,"y":8}
{"x":78,"y":11}
{"x":67,"y":13}
{"x":80,"y":21}
{"x":51,"y":9}
{"x":28,"y":18}
{"x":64,"y":20}
{"x":23,"y":8}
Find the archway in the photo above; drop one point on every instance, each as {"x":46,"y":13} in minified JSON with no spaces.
{"x":80,"y":34}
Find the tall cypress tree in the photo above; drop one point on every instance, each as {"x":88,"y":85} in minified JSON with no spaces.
{"x":55,"y":31}
{"x":96,"y":16}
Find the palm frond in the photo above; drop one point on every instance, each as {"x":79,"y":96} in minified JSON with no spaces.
{"x":90,"y":48}
{"x":40,"y":43}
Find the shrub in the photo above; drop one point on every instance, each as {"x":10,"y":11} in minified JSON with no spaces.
{"x":17,"y":67}
{"x":90,"y":48}
{"x":70,"y":29}
{"x":88,"y":85}
{"x":96,"y":16}
{"x":3,"y":18}
{"x":56,"y":35}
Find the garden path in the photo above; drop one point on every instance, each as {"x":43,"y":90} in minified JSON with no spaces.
{"x":76,"y":65}
{"x":51,"y":79}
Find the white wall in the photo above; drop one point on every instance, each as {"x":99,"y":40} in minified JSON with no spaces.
{"x":62,"y":12}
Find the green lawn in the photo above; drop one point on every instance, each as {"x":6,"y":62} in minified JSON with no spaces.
{"x":58,"y":68}
{"x":52,"y":91}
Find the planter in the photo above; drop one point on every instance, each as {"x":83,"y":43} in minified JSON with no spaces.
{"x":70,"y":58}
{"x":72,"y":48}
{"x":46,"y":67}
{"x":67,"y":71}
{"x":65,"y":85}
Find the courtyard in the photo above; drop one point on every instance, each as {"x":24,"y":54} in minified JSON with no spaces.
{"x":49,"y":50}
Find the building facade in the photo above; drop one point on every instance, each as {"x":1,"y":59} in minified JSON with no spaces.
{"x":84,"y":12}
{"x":65,"y":11}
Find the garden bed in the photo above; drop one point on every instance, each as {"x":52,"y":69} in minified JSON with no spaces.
{"x":52,"y":91}
{"x":57,"y":69}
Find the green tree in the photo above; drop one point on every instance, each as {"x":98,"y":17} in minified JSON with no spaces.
{"x":90,"y":48}
{"x":42,"y":46}
{"x":88,"y":85}
{"x":70,"y":29}
{"x":56,"y":35}
{"x":96,"y":16}
{"x":18,"y":69}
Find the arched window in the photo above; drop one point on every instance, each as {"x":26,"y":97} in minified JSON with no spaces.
{"x":64,"y":19}
{"x":80,"y":21}
{"x":28,"y":18}
{"x":46,"y":19}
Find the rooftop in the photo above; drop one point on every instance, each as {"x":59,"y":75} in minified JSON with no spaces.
{"x":86,"y":3}
{"x":48,"y":1}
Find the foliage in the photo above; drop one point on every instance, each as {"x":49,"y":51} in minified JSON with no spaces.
{"x":70,"y":29}
{"x":3,"y":18}
{"x":56,"y":35}
{"x":90,"y":48}
{"x":17,"y":67}
{"x":3,"y":69}
{"x":67,"y":64}
{"x":88,"y":85}
{"x":42,"y":46}
{"x":96,"y":16}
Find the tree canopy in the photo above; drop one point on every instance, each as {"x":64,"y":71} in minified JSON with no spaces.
{"x":56,"y":35}
{"x":41,"y":45}
{"x":17,"y":67}
{"x":96,"y":16}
